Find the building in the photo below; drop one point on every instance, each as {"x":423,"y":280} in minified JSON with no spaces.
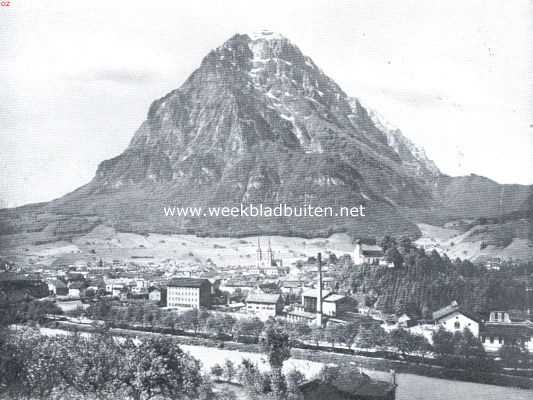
{"x":291,"y":286}
{"x":154,"y":295}
{"x":299,"y":316}
{"x":77,"y":289}
{"x":333,"y":306}
{"x":264,"y":305}
{"x":189,"y":293}
{"x":140,"y":286}
{"x":453,"y":318}
{"x":242,"y":285}
{"x":506,"y":327}
{"x":266,"y":263}
{"x":58,"y":287}
{"x":310,"y":299}
{"x":368,"y":254}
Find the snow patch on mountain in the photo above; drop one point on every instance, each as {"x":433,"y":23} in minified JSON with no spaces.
{"x":413,"y":156}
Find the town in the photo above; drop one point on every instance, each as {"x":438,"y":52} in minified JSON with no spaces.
{"x":318,"y":302}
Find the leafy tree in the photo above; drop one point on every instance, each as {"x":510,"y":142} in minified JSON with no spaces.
{"x":370,"y":335}
{"x":467,"y":345}
{"x":387,"y":242}
{"x":294,"y":379}
{"x":229,"y":369}
{"x":91,"y":365}
{"x":405,"y":245}
{"x":403,"y":341}
{"x":275,"y":343}
{"x":299,"y":331}
{"x":252,"y":378}
{"x":217,"y":371}
{"x":421,"y":345}
{"x":328,"y":373}
{"x":513,"y":354}
{"x":317,"y":334}
{"x":158,"y":367}
{"x":36,"y":310}
{"x":249,"y":327}
{"x":443,"y":342}
{"x":333,"y":334}
{"x":393,"y":255}
{"x":278,"y":384}
{"x":194,"y":319}
{"x":100,"y":310}
{"x":218,"y":324}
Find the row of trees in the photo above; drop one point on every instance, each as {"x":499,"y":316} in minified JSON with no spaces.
{"x":459,"y":350}
{"x":97,"y":366}
{"x":197,"y":321}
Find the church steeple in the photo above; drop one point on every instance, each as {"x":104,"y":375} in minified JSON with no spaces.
{"x":259,"y":253}
{"x":270,"y":256}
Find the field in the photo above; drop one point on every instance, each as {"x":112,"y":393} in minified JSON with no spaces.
{"x":105,"y":243}
{"x":478,"y":242}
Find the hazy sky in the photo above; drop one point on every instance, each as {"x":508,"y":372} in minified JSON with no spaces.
{"x":76,"y":78}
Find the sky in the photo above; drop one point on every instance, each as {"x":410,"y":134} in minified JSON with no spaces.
{"x":77,"y":78}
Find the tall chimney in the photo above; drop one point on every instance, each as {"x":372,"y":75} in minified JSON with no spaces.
{"x":319,"y":300}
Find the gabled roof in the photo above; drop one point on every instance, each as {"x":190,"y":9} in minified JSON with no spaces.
{"x":292,"y":284}
{"x":265,"y":298}
{"x":332,"y":298}
{"x":78,"y":285}
{"x":371,"y":250}
{"x":58,"y":283}
{"x":314,"y":293}
{"x":450,"y":309}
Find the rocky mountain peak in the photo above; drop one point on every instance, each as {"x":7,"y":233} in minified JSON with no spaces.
{"x":413,"y":157}
{"x":259,"y":122}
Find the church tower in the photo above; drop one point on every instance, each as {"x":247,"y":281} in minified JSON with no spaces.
{"x":270,"y":256}
{"x":259,"y":254}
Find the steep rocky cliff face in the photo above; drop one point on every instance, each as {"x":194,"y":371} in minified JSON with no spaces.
{"x":413,"y":157}
{"x":258,"y":122}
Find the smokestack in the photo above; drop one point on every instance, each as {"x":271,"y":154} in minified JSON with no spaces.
{"x":319,"y":300}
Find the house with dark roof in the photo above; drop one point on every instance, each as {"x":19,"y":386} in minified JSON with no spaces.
{"x":454,"y":318}
{"x":188,"y":293}
{"x":368,"y":254}
{"x":506,"y":327}
{"x":77,"y":289}
{"x":57,"y":287}
{"x":264,"y":305}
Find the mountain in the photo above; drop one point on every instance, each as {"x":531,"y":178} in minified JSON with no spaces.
{"x":413,"y":157}
{"x":259,"y":122}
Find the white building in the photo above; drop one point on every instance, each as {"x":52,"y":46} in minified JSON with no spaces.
{"x":154,"y":295}
{"x":368,"y":254}
{"x":454,"y":319}
{"x":504,"y":327}
{"x":264,"y":305}
{"x":188,"y":293}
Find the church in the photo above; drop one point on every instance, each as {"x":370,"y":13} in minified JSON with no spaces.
{"x":266,"y":262}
